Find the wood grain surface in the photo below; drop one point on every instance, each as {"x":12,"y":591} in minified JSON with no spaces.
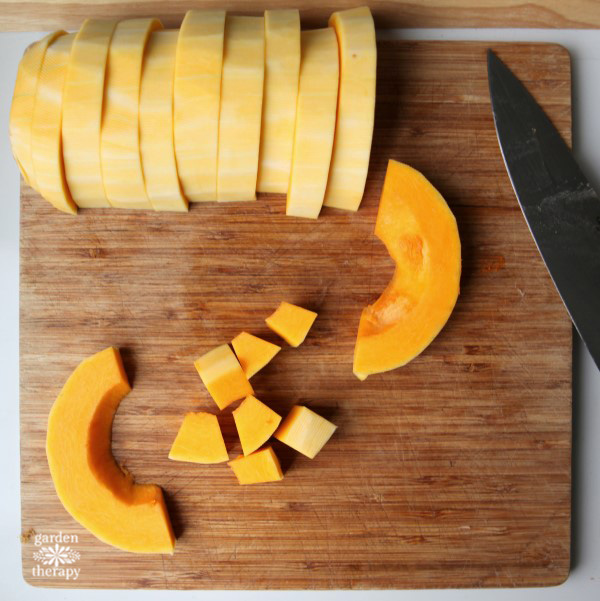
{"x":43,"y":15}
{"x":453,"y":471}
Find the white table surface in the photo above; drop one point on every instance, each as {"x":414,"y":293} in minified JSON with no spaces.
{"x":584,"y":582}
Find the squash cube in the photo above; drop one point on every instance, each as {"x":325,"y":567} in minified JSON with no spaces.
{"x":253,"y":352}
{"x":291,"y":322}
{"x":223,"y":376}
{"x":305,"y":431}
{"x":255,"y":422}
{"x":199,"y":440}
{"x":261,"y":466}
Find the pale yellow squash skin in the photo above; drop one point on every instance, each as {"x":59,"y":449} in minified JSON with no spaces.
{"x":100,"y":495}
{"x":120,"y":140}
{"x":23,"y":102}
{"x":282,"y":69}
{"x":356,"y":108}
{"x":420,"y":233}
{"x":46,"y":137}
{"x":196,"y":100}
{"x":315,"y":123}
{"x":241,"y":108}
{"x":156,"y":124}
{"x":82,"y":113}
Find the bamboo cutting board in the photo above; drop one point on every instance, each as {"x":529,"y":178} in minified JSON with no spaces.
{"x":453,"y":471}
{"x":34,"y":15}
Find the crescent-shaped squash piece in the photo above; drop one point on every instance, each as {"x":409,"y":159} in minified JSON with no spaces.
{"x":420,"y":233}
{"x":100,"y":495}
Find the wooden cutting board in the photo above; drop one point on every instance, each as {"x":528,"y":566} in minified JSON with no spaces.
{"x":453,"y":471}
{"x":34,"y":15}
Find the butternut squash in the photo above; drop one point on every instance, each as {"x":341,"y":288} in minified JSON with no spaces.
{"x":99,"y":494}
{"x":253,"y":352}
{"x":241,"y":108}
{"x":82,"y":113}
{"x":46,"y":136}
{"x":305,"y":431}
{"x":255,"y":422}
{"x":355,"y":32}
{"x":23,"y":102}
{"x":291,"y":322}
{"x":260,"y":466}
{"x":120,"y":137}
{"x":196,"y":99}
{"x":420,"y":233}
{"x":282,"y":67}
{"x":199,"y":440}
{"x":223,"y":376}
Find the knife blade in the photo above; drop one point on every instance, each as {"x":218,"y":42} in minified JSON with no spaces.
{"x":560,"y":206}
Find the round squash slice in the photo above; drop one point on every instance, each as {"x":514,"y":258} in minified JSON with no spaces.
{"x":420,"y":233}
{"x":100,"y":495}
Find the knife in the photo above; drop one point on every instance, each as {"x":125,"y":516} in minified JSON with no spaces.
{"x":560,"y":206}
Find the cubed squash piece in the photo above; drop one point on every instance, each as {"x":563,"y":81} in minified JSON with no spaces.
{"x":261,"y":466}
{"x":291,"y":322}
{"x":305,"y":431}
{"x":199,"y":440}
{"x":255,"y":423}
{"x":223,"y":376}
{"x":253,"y":352}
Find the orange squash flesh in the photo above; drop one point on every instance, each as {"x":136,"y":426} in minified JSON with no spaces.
{"x":99,"y":494}
{"x":260,"y":466}
{"x":253,"y":352}
{"x":291,"y":322}
{"x":199,"y":440}
{"x":255,"y":422}
{"x":420,"y":233}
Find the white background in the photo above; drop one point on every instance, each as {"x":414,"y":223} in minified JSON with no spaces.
{"x":584,"y":581}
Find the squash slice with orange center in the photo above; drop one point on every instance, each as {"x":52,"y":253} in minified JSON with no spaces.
{"x":420,"y":233}
{"x":98,"y":493}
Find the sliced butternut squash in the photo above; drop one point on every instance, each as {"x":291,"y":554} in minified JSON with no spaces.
{"x":315,"y":123}
{"x":356,"y":107}
{"x":223,"y":376}
{"x":291,"y":322}
{"x":420,"y":233}
{"x":120,"y":140}
{"x":156,"y":123}
{"x":99,"y":494}
{"x":260,"y":466}
{"x":82,"y":113}
{"x":305,"y":431}
{"x":46,"y":137}
{"x":196,"y":98}
{"x":255,"y":422}
{"x":23,"y":102}
{"x":199,"y":440}
{"x":253,"y":352}
{"x":241,"y":108}
{"x":282,"y":68}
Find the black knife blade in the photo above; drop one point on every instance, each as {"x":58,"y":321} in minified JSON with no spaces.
{"x":560,"y":206}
